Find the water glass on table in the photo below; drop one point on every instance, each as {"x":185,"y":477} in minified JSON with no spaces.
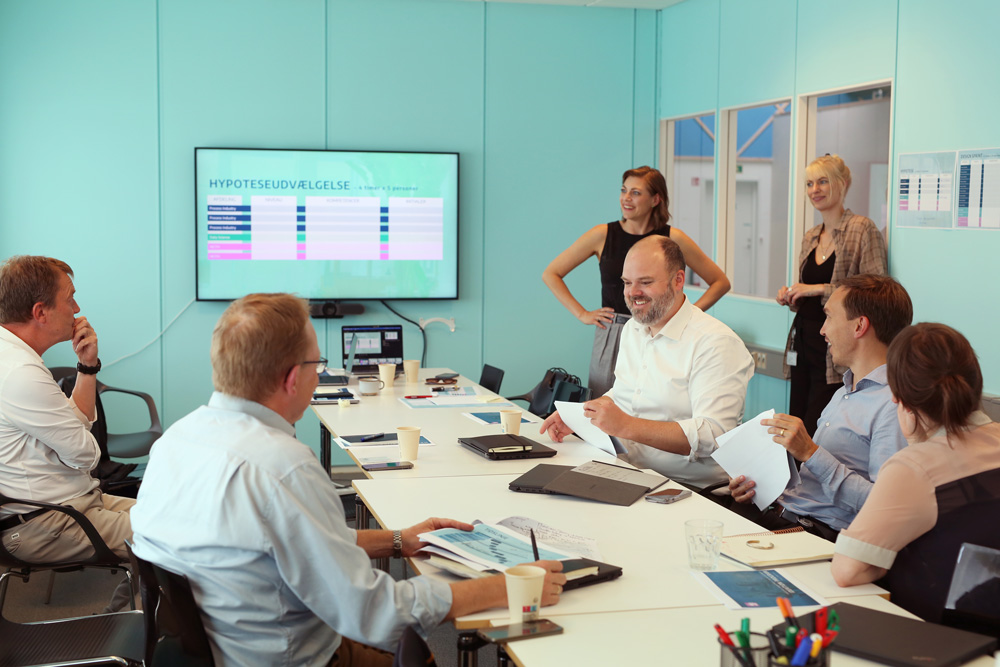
{"x":704,"y":540}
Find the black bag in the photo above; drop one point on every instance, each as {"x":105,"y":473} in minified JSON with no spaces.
{"x":557,"y":385}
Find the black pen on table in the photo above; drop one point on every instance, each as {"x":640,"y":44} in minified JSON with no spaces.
{"x":534,"y":544}
{"x":373,"y":436}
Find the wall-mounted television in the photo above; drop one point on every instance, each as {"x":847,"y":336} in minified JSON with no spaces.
{"x":326,"y":224}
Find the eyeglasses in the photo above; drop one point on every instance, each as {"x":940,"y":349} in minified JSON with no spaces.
{"x":441,"y":380}
{"x":320,"y":364}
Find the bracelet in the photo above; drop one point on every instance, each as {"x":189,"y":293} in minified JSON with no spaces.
{"x":89,"y":370}
{"x":397,"y":544}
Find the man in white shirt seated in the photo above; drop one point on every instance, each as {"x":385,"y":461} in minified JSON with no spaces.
{"x":46,"y":448}
{"x":681,"y":376}
{"x":234,"y":502}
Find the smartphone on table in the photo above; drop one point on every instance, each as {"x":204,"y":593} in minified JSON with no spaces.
{"x":516,"y":631}
{"x":668,"y":496}
{"x":387,"y":465}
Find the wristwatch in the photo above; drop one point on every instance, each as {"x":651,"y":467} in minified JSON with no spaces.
{"x":89,"y":370}
{"x":397,"y":544}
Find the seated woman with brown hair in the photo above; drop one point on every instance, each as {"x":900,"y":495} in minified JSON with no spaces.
{"x":941,"y":490}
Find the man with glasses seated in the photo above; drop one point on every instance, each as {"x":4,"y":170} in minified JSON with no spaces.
{"x":234,"y":502}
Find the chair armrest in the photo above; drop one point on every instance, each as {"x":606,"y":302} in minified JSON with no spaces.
{"x":154,"y":417}
{"x":102,"y":553}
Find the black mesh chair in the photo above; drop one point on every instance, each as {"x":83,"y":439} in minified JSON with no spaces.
{"x":491,"y":378}
{"x":102,"y":557}
{"x":557,"y":385}
{"x":106,"y":639}
{"x":175,"y":635}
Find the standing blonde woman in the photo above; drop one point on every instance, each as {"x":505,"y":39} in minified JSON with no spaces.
{"x":644,"y":203}
{"x":843,"y":245}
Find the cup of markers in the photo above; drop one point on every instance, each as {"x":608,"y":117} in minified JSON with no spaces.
{"x":743,"y":648}
{"x":805,"y":641}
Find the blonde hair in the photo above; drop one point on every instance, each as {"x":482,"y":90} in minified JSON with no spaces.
{"x":833,"y":167}
{"x":255,"y":343}
{"x":26,"y":280}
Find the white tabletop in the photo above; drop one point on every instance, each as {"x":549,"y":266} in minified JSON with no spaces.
{"x":442,"y":426}
{"x":645,"y":539}
{"x":664,"y":636}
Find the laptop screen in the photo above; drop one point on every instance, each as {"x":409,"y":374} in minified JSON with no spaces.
{"x":376,"y":344}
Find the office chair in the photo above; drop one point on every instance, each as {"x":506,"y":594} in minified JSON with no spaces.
{"x":919,"y":579}
{"x":120,"y":445}
{"x":103,"y":557}
{"x":973,"y":602}
{"x":412,"y":651}
{"x":175,"y":635}
{"x":491,"y":378}
{"x":106,"y":639}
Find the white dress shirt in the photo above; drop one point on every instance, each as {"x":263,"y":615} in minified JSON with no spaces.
{"x":693,"y":371}
{"x":234,"y":502}
{"x":46,"y":448}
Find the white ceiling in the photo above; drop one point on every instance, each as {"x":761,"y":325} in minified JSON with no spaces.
{"x":629,"y":4}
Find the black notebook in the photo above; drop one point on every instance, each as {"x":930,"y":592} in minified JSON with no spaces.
{"x":534,"y":480}
{"x":604,"y":573}
{"x":507,"y":446}
{"x":897,"y":640}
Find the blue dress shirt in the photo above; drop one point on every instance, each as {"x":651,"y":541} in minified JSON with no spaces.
{"x":858,"y":432}
{"x":232,"y":501}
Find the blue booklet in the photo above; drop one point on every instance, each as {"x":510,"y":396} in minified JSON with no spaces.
{"x":760,"y":588}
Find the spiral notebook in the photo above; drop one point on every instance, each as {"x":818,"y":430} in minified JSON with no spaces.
{"x":772,"y":549}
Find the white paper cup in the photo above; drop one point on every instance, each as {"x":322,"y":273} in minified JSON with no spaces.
{"x":704,"y":539}
{"x":411,"y":367}
{"x":524,"y":592}
{"x":409,"y":442}
{"x":510,"y":421}
{"x":388,"y":373}
{"x":369,"y":386}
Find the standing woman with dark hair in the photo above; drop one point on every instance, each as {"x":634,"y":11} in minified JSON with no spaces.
{"x":644,"y":203}
{"x":843,"y":245}
{"x":953,"y":460}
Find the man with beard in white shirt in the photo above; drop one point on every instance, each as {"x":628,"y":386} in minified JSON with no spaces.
{"x":681,"y":376}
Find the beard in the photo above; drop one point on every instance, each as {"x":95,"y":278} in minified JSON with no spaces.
{"x":656,"y":309}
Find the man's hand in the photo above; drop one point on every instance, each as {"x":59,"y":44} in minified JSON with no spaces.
{"x":741,"y":489}
{"x":605,"y":415}
{"x":556,"y":427}
{"x":84,"y":342}
{"x":790,"y":433}
{"x":411,"y":544}
{"x":555,"y":580}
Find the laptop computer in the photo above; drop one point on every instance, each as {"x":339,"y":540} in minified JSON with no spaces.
{"x":506,"y":446}
{"x":376,"y":344}
{"x":338,"y":380}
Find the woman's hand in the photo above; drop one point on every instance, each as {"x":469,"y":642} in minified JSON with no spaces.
{"x":799,"y":291}
{"x":782,"y":297}
{"x":598,"y":317}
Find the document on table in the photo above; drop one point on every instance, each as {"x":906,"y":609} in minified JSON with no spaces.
{"x":386,"y":440}
{"x":554,"y":537}
{"x":751,"y":451}
{"x":494,"y":547}
{"x":572,"y":414}
{"x":456,"y":402}
{"x":489,"y":418}
{"x":754,"y":589}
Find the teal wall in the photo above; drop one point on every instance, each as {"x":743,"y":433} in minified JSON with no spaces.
{"x":722,"y":53}
{"x":102,"y":103}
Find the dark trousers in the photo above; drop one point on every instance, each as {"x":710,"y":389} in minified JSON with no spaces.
{"x":809,"y":392}
{"x":772,"y":519}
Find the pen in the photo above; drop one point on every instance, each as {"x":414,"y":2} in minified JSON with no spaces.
{"x":817,"y":644}
{"x":819,"y":620}
{"x":534,"y":544}
{"x":373,"y":436}
{"x":772,"y":639}
{"x":418,"y":397}
{"x":724,"y":636}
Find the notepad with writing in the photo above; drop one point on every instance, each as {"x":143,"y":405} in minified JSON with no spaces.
{"x":771,"y":549}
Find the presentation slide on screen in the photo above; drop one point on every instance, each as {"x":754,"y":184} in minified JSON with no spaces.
{"x":326,"y":224}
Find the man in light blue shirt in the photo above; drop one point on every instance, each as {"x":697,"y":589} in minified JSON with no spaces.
{"x":858,"y":430}
{"x":234,"y":502}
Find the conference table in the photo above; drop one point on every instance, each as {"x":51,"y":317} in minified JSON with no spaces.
{"x":656,"y":611}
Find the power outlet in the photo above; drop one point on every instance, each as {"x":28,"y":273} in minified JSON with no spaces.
{"x":759,"y":360}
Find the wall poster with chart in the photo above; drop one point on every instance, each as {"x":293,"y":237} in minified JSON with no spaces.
{"x":949,"y":189}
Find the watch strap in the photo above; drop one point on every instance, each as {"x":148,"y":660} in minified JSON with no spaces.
{"x":89,"y":370}
{"x":397,"y":544}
